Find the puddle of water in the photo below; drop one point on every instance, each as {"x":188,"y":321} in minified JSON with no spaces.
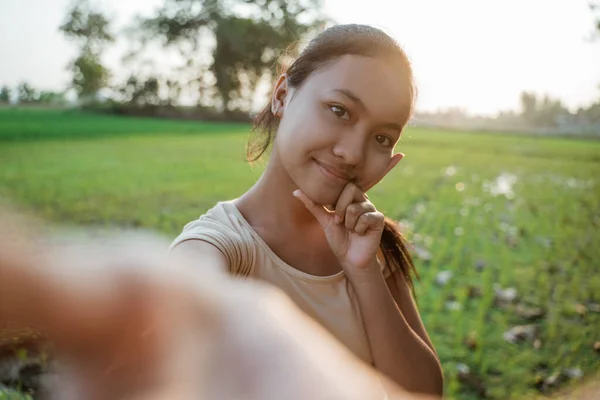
{"x":509,"y":229}
{"x":443,"y":277}
{"x":453,"y":306}
{"x":422,"y":253}
{"x":406,"y":226}
{"x":428,"y":240}
{"x":420,"y":208}
{"x":450,"y":171}
{"x":502,"y":185}
{"x":570,"y":182}
{"x":573,"y":183}
{"x":472,"y":201}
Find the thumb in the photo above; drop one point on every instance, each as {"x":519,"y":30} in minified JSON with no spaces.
{"x":318,"y":211}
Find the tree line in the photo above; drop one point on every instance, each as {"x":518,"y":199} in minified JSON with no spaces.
{"x":537,"y":113}
{"x":223,"y":49}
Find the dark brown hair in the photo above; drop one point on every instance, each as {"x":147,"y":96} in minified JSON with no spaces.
{"x":324,"y":49}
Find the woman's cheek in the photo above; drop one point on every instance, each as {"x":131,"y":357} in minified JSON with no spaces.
{"x":377,"y":172}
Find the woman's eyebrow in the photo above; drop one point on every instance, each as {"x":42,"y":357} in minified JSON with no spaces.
{"x":349,"y":94}
{"x":393,"y":126}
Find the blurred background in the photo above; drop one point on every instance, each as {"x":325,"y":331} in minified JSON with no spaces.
{"x":136,"y":113}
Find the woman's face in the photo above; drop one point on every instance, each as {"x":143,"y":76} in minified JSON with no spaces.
{"x":340,"y":126}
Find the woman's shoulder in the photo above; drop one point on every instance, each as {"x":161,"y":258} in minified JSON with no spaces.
{"x":218,"y":222}
{"x":220,"y":213}
{"x":221,"y":226}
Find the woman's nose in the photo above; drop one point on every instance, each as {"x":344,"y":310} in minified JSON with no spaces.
{"x":351,"y":148}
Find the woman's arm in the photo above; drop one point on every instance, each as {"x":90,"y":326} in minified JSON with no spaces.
{"x":202,"y":254}
{"x":400,"y":346}
{"x":174,"y":332}
{"x":400,"y":291}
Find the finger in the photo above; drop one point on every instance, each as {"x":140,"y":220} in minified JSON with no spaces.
{"x":317,"y":210}
{"x":350,"y":194}
{"x":369,"y":221}
{"x":354,"y":211}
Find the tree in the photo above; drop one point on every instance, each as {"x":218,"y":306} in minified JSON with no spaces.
{"x":590,"y":114}
{"x":247,"y":42}
{"x":542,"y":111}
{"x":595,"y":8}
{"x":54,"y":98}
{"x":551,"y":111}
{"x":5,"y":95}
{"x":141,"y":93}
{"x":528,"y":107}
{"x":26,"y":93}
{"x":90,"y":29}
{"x":89,"y":75}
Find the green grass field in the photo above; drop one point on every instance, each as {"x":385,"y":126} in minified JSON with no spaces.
{"x":494,"y":210}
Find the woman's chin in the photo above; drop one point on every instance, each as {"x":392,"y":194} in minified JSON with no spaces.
{"x":327,"y":197}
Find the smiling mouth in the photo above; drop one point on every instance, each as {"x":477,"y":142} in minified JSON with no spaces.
{"x":333,"y":175}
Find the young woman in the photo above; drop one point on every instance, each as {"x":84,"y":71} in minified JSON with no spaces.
{"x":307,"y":225}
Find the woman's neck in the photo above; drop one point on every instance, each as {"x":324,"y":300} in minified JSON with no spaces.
{"x":284,"y":223}
{"x":270,"y":202}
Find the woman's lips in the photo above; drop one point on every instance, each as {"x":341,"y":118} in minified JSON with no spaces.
{"x":332,"y":174}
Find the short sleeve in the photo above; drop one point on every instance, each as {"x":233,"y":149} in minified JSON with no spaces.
{"x":235,"y":246}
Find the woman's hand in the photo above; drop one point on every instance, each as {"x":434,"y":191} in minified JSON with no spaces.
{"x":353,"y":229}
{"x":135,"y":327}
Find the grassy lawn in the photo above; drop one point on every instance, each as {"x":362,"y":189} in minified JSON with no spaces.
{"x":490,"y":211}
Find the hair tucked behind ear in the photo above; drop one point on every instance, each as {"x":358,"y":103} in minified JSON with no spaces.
{"x":325,"y":48}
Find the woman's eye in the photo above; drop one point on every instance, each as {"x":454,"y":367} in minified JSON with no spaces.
{"x":384,"y":140}
{"x":340,"y":112}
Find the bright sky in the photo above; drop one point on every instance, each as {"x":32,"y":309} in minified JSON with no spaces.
{"x":475,"y":54}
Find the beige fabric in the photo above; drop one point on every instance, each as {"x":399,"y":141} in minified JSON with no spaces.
{"x":330,"y":300}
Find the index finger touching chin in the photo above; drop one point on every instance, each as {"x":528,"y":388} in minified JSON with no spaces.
{"x":350,"y":194}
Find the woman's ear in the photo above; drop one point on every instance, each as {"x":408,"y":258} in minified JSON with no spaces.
{"x":279,"y":95}
{"x":393,"y":162}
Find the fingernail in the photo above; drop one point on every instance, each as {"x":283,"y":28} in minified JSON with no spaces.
{"x":295,"y":193}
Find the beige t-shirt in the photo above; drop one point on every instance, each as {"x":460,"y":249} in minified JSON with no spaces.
{"x":330,"y":300}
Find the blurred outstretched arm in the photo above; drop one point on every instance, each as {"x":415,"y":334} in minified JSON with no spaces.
{"x":134,"y":324}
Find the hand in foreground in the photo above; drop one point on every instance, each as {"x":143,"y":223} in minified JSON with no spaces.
{"x":132,"y":325}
